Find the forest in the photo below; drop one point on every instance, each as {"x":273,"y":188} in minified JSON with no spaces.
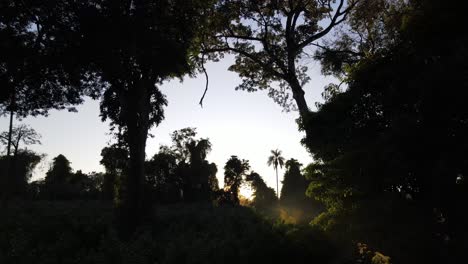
{"x":388,"y":141}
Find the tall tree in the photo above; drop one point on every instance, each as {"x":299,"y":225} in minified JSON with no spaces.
{"x":14,"y":176}
{"x":265,"y":198}
{"x":392,"y":142}
{"x":274,"y":160}
{"x":270,"y":39}
{"x":115,"y":161}
{"x":294,"y":183}
{"x":235,"y":171}
{"x":20,"y":134}
{"x":161,"y":177}
{"x":192,"y":170}
{"x":132,"y":46}
{"x":32,"y":76}
{"x":60,"y":170}
{"x":58,"y":177}
{"x":203,"y":173}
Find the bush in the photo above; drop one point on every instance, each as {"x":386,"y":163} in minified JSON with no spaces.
{"x":82,"y":232}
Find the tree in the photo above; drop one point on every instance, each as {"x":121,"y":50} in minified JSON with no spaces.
{"x":264,"y":197}
{"x":294,"y":184}
{"x":85,"y":186}
{"x":132,"y":46}
{"x":162,"y":178}
{"x":391,"y":142}
{"x":17,"y":168}
{"x":115,"y":161}
{"x":58,"y":178}
{"x":234,"y":172}
{"x":180,"y":139}
{"x":203,"y":173}
{"x":23,"y":133}
{"x":293,"y":194}
{"x":274,"y":160}
{"x":270,"y":40}
{"x":60,"y":170}
{"x":184,"y":164}
{"x":14,"y":176}
{"x":32,"y":77}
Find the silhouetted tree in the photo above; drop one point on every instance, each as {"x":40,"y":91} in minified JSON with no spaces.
{"x":294,"y":184}
{"x":16,"y":168}
{"x":20,"y":134}
{"x":392,"y":143}
{"x":115,"y":161}
{"x":180,"y":139}
{"x":184,"y":165}
{"x":58,"y":177}
{"x":234,"y":172}
{"x":132,"y":46}
{"x":293,"y":194}
{"x":274,"y":160}
{"x":270,"y":40}
{"x":265,"y":198}
{"x":162,"y":178}
{"x":203,"y":174}
{"x":84,"y":186}
{"x":14,"y":176}
{"x":32,"y":76}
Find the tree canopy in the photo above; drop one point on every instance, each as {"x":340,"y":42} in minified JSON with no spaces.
{"x":397,"y":133}
{"x":235,"y":171}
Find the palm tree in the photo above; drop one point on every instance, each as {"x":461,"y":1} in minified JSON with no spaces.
{"x":276,"y":159}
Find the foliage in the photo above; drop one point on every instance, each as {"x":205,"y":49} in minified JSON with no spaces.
{"x":15,"y":172}
{"x":115,"y":161}
{"x":293,"y":200}
{"x":124,"y":49}
{"x":61,"y":183}
{"x":234,"y":172}
{"x":264,"y":197}
{"x":20,"y":134}
{"x":294,"y":183}
{"x":274,"y":160}
{"x":393,"y":140}
{"x":181,"y":171}
{"x":270,"y":40}
{"x":81,"y":232}
{"x":32,"y":76}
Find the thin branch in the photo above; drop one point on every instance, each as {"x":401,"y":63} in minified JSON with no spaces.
{"x":207,"y":79}
{"x":232,"y":35}
{"x":338,"y":18}
{"x":247,"y":55}
{"x":355,"y":53}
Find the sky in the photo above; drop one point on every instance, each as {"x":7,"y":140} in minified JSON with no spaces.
{"x":248,"y":125}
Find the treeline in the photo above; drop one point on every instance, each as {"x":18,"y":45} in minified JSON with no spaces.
{"x":177,"y":173}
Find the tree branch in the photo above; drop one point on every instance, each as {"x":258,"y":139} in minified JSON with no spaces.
{"x":355,"y":53}
{"x":247,"y":55}
{"x":338,"y":18}
{"x":207,"y":80}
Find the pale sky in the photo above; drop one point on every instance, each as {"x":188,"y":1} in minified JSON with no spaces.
{"x":248,"y":125}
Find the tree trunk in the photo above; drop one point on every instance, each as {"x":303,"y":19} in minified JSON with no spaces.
{"x":9,"y":173}
{"x":304,"y":111}
{"x":137,"y":121}
{"x":299,"y":97}
{"x":277,"y":185}
{"x":10,"y":132}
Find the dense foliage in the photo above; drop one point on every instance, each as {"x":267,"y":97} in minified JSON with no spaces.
{"x":81,"y":232}
{"x":389,"y":148}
